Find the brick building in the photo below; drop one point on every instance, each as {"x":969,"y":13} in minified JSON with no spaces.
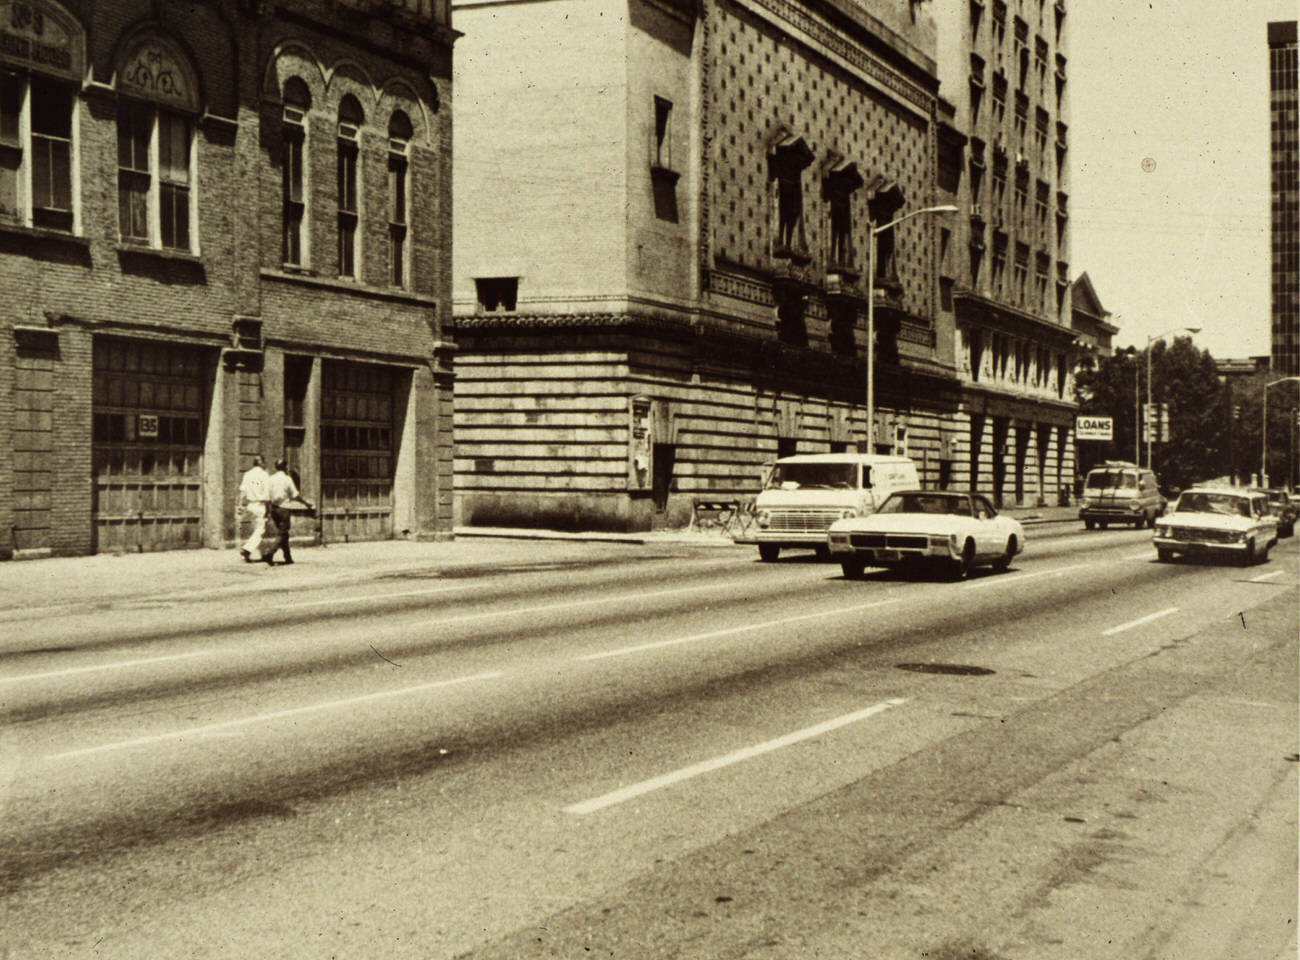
{"x":1284,"y":184}
{"x":224,"y":228}
{"x":1003,"y":67}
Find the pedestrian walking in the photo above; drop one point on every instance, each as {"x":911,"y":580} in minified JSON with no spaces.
{"x":281,"y":490}
{"x":254,"y":495}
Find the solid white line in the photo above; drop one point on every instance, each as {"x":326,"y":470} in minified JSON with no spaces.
{"x":375,"y":596}
{"x":548,"y":607}
{"x":736,"y":756}
{"x":1016,"y":578}
{"x":1139,"y":621}
{"x":745,"y":628}
{"x":209,"y":728}
{"x":103,"y":666}
{"x":1144,"y":555}
{"x":1267,"y":576}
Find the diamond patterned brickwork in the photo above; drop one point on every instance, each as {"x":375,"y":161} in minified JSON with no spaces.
{"x":765,"y":83}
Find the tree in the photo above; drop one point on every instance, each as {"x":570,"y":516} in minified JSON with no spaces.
{"x":1247,"y":421}
{"x":1185,"y":379}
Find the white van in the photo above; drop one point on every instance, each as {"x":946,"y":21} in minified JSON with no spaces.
{"x":805,"y":494}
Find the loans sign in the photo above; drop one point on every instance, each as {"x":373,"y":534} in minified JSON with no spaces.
{"x":1093,"y":428}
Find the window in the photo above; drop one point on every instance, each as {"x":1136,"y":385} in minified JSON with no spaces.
{"x":999,"y":97}
{"x":663,"y":141}
{"x":153,"y":176}
{"x":999,"y":259}
{"x":297,"y":101}
{"x":663,"y":178}
{"x":838,"y":188}
{"x":786,"y":165}
{"x":1021,"y":273}
{"x":497,"y":293}
{"x":35,"y":152}
{"x":349,"y":148}
{"x":399,"y":138}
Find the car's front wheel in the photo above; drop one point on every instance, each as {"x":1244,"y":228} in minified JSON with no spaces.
{"x":1090,"y":524}
{"x":961,"y":567}
{"x":853,"y":568}
{"x":1164,"y":555}
{"x":767,"y":552}
{"x":1248,"y":557}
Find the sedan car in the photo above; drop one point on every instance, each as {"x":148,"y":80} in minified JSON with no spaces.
{"x":1212,"y":521}
{"x":955,"y":531}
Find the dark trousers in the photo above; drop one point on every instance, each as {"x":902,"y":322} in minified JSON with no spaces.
{"x":281,"y":519}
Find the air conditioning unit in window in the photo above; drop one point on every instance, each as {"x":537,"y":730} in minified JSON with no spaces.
{"x":977,"y":211}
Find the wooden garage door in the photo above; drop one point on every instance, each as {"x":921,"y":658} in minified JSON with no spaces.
{"x":357,"y":430}
{"x":149,"y":402}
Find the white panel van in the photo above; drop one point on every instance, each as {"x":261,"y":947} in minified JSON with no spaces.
{"x":805,"y":494}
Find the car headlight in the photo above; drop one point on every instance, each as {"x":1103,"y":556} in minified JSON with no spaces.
{"x":952,"y":543}
{"x":1162,"y":529}
{"x":1239,"y":536}
{"x":1135,"y":505}
{"x":848,"y":514}
{"x":764,"y":518}
{"x":1085,"y":502}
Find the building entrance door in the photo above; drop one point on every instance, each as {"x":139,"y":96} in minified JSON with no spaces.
{"x":358,"y":414}
{"x":149,"y":406}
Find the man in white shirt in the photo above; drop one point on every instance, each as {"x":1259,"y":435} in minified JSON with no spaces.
{"x":281,"y":489}
{"x":254,"y":493}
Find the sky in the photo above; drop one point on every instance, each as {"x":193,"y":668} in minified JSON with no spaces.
{"x":1182,"y":240}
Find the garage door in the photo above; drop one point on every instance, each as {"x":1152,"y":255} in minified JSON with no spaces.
{"x":149,"y":402}
{"x":357,"y":430}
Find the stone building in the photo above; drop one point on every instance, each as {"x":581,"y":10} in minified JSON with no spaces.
{"x":662,"y":250}
{"x":1003,"y":68}
{"x":224,"y":229}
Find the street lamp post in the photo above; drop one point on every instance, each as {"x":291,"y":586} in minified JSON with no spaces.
{"x":1150,"y":341}
{"x":1263,"y":433}
{"x":871,"y":313}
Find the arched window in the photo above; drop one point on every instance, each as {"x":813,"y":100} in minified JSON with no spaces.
{"x":349,"y":150}
{"x":399,"y":145}
{"x":158,"y":101}
{"x":297,"y":102}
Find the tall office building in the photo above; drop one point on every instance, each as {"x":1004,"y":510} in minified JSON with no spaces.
{"x":1284,"y":100}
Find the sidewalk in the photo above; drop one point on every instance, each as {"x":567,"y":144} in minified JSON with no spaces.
{"x":99,"y":579}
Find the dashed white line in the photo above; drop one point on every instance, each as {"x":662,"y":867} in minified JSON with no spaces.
{"x":374,"y":596}
{"x":1267,"y":576}
{"x":1139,"y":621}
{"x":727,"y":759}
{"x":70,"y":671}
{"x":744,"y":628}
{"x":1016,"y":578}
{"x":208,"y":729}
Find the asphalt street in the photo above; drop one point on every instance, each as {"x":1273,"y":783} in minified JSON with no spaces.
{"x":644,"y":750}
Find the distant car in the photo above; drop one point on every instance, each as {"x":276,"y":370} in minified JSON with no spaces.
{"x":955,"y":531}
{"x":1285,"y":509}
{"x":1229,"y":522}
{"x":1119,"y":491}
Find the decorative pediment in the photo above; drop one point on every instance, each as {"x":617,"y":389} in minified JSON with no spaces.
{"x":41,"y":35}
{"x":155,"y":68}
{"x":789,"y":155}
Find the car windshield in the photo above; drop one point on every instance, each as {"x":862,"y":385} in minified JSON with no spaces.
{"x":1105,"y":479}
{"x":826,"y":476}
{"x":926,"y":503}
{"x":1226,"y":504}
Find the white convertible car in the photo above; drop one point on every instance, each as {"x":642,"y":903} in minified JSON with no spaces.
{"x":957,"y":531}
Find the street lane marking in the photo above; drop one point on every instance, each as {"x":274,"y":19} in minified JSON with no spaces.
{"x":208,"y":729}
{"x":1144,"y":555}
{"x":1267,"y":576}
{"x":1016,"y":578}
{"x":1139,"y":621}
{"x":375,"y":596}
{"x":548,"y":607}
{"x":727,"y":759}
{"x":745,"y":628}
{"x":70,"y":671}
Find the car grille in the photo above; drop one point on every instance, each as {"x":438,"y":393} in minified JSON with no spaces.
{"x":1202,"y":534}
{"x":807,"y":520}
{"x":896,"y":541}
